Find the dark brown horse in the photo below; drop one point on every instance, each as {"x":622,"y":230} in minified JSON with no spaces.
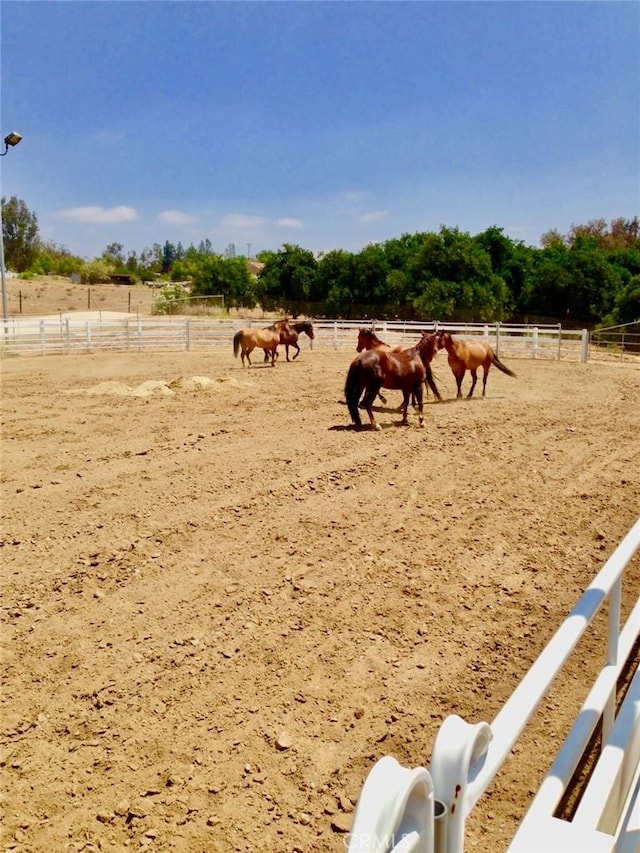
{"x":404,"y":370}
{"x":246,"y":340}
{"x":367,"y":339}
{"x":290,"y":339}
{"x":470,"y":355}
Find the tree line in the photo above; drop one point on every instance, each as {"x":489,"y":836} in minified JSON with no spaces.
{"x":588,"y":276}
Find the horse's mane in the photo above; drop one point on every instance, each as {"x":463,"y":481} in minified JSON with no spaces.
{"x":369,"y":333}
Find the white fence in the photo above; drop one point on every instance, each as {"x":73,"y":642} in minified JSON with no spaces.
{"x":106,"y":331}
{"x":425,"y":811}
{"x":619,"y":342}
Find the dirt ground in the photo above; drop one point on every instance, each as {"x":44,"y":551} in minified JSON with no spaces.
{"x":55,"y":294}
{"x":220,"y":606}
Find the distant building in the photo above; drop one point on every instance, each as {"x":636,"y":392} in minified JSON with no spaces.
{"x":255,"y":267}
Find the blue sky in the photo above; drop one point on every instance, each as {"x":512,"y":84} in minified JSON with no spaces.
{"x":325,"y":124}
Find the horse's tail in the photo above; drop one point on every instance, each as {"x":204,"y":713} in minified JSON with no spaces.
{"x":431,"y":382}
{"x":352,"y":391}
{"x":503,"y":367}
{"x":237,"y":338}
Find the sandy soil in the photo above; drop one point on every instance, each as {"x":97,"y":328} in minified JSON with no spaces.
{"x":221,"y":607}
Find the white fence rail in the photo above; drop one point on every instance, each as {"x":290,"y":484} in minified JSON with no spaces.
{"x":425,"y":810}
{"x":66,"y":335}
{"x":620,"y":342}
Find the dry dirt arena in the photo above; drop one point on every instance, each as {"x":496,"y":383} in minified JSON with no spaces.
{"x":220,"y":606}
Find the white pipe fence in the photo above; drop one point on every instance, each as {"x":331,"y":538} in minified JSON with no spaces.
{"x":65,"y":335}
{"x":425,"y":811}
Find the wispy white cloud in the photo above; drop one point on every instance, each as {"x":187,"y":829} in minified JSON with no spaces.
{"x":373,"y":216}
{"x":176,"y":217}
{"x":288,"y":222}
{"x":93,"y":215}
{"x":240,"y":220}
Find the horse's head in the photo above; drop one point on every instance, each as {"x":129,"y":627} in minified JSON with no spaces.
{"x":427,"y":346}
{"x":442,"y":339}
{"x":364,"y":338}
{"x":308,"y":328}
{"x":367,"y":339}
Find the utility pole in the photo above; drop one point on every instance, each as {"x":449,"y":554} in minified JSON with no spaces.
{"x":10,"y":141}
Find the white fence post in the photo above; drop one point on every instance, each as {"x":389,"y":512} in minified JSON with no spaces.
{"x":584,"y":347}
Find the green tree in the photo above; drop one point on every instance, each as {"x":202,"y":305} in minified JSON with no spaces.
{"x":150,"y":262}
{"x":452,"y":279}
{"x":205,"y":247}
{"x":169,"y":254}
{"x":114,"y":254}
{"x":333,"y":282}
{"x":510,"y":260}
{"x":627,"y":305}
{"x":370,"y":271}
{"x":288,"y":277}
{"x":574,"y":283}
{"x":211,"y":275}
{"x":20,"y":234}
{"x":96,"y":271}
{"x":53,"y":259}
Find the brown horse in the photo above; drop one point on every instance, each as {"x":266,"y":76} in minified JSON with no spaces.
{"x":290,"y":339}
{"x":470,"y":355}
{"x":367,"y":339}
{"x":404,"y":370}
{"x":246,"y":340}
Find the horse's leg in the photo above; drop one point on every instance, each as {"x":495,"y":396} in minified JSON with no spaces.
{"x":487,"y":365}
{"x":418,"y":395}
{"x":297,"y":352}
{"x":474,"y":376}
{"x":266,"y":355}
{"x":406,"y":396}
{"x":274,"y":356}
{"x":459,"y":377}
{"x":382,"y":399}
{"x":367,"y":402}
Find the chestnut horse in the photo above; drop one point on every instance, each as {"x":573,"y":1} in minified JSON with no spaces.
{"x":403,"y":369}
{"x":290,"y":339}
{"x":367,"y":339}
{"x":470,"y":355}
{"x":246,"y":340}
